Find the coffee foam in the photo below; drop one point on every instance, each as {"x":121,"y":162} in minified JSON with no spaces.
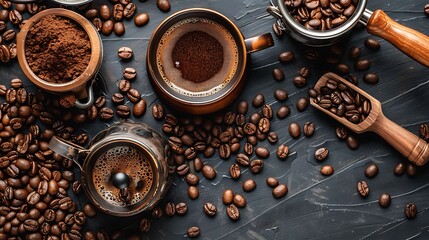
{"x":124,"y":159}
{"x":172,"y":77}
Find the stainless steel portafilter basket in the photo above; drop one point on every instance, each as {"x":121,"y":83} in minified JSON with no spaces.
{"x":409,"y":41}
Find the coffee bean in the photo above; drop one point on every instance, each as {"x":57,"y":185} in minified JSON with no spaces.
{"x":426,"y":9}
{"x":272,"y":137}
{"x":107,"y":27}
{"x":302,"y":104}
{"x":363,"y":188}
{"x":209,"y":209}
{"x":362,"y":64}
{"x":410,"y":210}
{"x":256,"y":166}
{"x":249,"y":185}
{"x":283,"y":112}
{"x":370,"y":78}
{"x":133,"y":95}
{"x":163,"y":5}
{"x":119,"y":30}
{"x":281,"y":95}
{"x":141,"y":19}
{"x":129,"y":10}
{"x":242,"y":159}
{"x":294,"y":130}
{"x":280,"y":191}
{"x":372,"y":44}
{"x":129,"y":73}
{"x":233,"y":212}
{"x":181,"y":208}
{"x":262,"y":152}
{"x":286,"y":57}
{"x":224,"y":151}
{"x":308,"y":129}
{"x":144,"y":225}
{"x":327,"y":170}
{"x":411,"y":170}
{"x":239,"y":201}
{"x":264,"y":125}
{"x":209,"y":172}
{"x":33,"y":198}
{"x":91,"y":13}
{"x":31,"y":225}
{"x":249,"y":128}
{"x":139,"y":108}
{"x":352,"y":141}
{"x":423,"y":130}
{"x":321,"y":154}
{"x":9,"y":35}
{"x":193,"y":232}
{"x":193,"y":192}
{"x":105,"y":13}
{"x":157,"y":111}
{"x":258,"y":100}
{"x":198,"y":164}
{"x":182,"y":169}
{"x":118,"y":12}
{"x":170,"y":209}
{"x":106,"y":113}
{"x":235,"y":171}
{"x":371,"y":170}
{"x":276,"y":29}
{"x":299,"y":81}
{"x":272,"y":182}
{"x":125,"y":53}
{"x":123,"y":111}
{"x":384,"y":200}
{"x":192,"y":179}
{"x":242,"y":107}
{"x":400,"y":169}
{"x":282,"y":151}
{"x":278,"y":74}
{"x":118,"y":98}
{"x":89,"y":210}
{"x":157,"y":212}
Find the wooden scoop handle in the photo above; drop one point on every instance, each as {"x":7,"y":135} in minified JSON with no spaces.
{"x":407,"y":143}
{"x":409,"y":41}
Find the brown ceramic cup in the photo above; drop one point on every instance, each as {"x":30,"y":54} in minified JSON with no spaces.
{"x":81,"y":86}
{"x":216,"y":92}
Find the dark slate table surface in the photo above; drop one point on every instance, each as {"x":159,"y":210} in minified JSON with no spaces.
{"x":316,"y":207}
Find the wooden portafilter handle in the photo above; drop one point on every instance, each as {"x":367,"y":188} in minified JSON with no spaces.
{"x":407,"y":143}
{"x":411,"y":42}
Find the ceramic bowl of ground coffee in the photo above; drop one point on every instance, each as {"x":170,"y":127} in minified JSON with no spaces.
{"x":197,"y":60}
{"x":60,"y":51}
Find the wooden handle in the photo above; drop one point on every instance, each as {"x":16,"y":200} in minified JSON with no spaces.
{"x":407,"y":143}
{"x":409,"y":41}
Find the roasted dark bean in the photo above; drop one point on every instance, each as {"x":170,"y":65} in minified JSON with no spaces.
{"x":363,"y":188}
{"x":384,"y":200}
{"x":280,"y":191}
{"x":278,"y":74}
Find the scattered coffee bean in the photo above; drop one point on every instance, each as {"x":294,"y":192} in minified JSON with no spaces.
{"x":304,"y":72}
{"x":286,"y":57}
{"x":157,"y":111}
{"x":193,"y":192}
{"x":181,"y":208}
{"x":423,"y":130}
{"x":198,"y":164}
{"x":118,"y":12}
{"x":210,"y":209}
{"x":321,"y":154}
{"x":280,"y":191}
{"x":363,"y":188}
{"x":228,"y":196}
{"x":384,"y":200}
{"x":193,"y":232}
{"x":370,"y":78}
{"x":400,"y":169}
{"x":141,"y":19}
{"x":280,"y":95}
{"x":282,"y":151}
{"x":192,"y":179}
{"x":371,"y":170}
{"x":354,"y":53}
{"x":294,"y":130}
{"x":118,"y":98}
{"x":242,"y":107}
{"x":283,"y":112}
{"x":139,"y":108}
{"x":249,"y":185}
{"x":258,"y":100}
{"x":327,"y":170}
{"x":239,"y":201}
{"x":262,"y":152}
{"x":235,"y":171}
{"x":426,"y":9}
{"x":123,"y":111}
{"x":410,"y":210}
{"x":105,"y":13}
{"x":125,"y":53}
{"x":256,"y":166}
{"x":89,"y":210}
{"x":308,"y":129}
{"x":129,"y":74}
{"x":352,"y":141}
{"x":233,"y":212}
{"x":272,"y":182}
{"x":272,"y":137}
{"x":107,"y":27}
{"x":411,"y":170}
{"x":209,"y":172}
{"x":362,"y":64}
{"x":278,"y":74}
{"x":299,"y":81}
{"x":163,"y":5}
{"x":302,"y":104}
{"x":372,"y":44}
{"x":144,"y":225}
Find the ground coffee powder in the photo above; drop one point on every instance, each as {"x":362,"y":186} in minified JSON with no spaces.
{"x":57,"y":49}
{"x":198,"y":56}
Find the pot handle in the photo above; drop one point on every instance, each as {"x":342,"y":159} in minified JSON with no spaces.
{"x":90,"y":99}
{"x":68,"y":150}
{"x":257,"y":43}
{"x":409,"y":41}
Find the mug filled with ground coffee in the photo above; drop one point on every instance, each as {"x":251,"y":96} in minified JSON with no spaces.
{"x":197,"y":59}
{"x":61,"y":52}
{"x":126,"y":170}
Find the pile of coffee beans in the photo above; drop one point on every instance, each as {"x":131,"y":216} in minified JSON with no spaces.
{"x":342,"y":101}
{"x":321,"y":14}
{"x":34,"y":181}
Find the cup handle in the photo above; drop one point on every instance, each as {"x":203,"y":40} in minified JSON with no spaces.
{"x":257,"y":43}
{"x":68,"y":150}
{"x":90,"y":100}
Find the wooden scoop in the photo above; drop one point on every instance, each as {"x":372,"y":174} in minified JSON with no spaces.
{"x":407,"y":143}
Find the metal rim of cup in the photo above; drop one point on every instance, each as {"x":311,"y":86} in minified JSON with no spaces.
{"x":317,"y":37}
{"x":97,"y":200}
{"x":94,"y":64}
{"x":196,"y":105}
